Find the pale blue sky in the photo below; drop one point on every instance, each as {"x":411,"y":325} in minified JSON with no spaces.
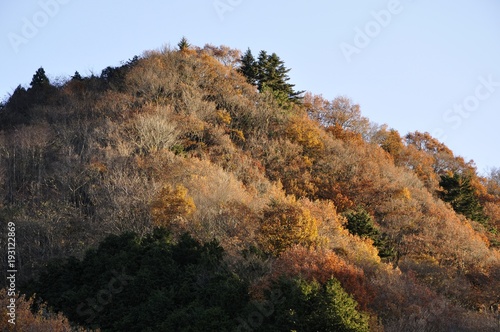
{"x":423,"y":65}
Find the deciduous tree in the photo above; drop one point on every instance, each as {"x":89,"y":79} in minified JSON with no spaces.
{"x":285,"y":224}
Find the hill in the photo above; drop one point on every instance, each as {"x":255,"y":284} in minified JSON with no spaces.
{"x":191,"y":161}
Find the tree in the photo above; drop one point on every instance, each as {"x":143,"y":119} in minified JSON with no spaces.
{"x":17,"y":109}
{"x":39,"y":80}
{"x":171,"y":204}
{"x":286,"y":224}
{"x":249,"y":67}
{"x":459,"y":192}
{"x":269,"y":73}
{"x":321,"y":265}
{"x":310,"y":306}
{"x":183,"y":44}
{"x":360,"y":222}
{"x":77,"y":76}
{"x":493,"y":182}
{"x":151,"y":283}
{"x":392,"y":143}
{"x":340,"y":112}
{"x":444,"y":159}
{"x":273,"y":74}
{"x":225,"y":55}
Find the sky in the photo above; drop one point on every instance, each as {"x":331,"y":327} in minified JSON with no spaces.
{"x":415,"y":65}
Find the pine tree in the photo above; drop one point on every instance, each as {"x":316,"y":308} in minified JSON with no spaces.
{"x":249,"y":67}
{"x":77,"y":76}
{"x":458,"y":191}
{"x":360,"y":222}
{"x":183,"y":44}
{"x":274,"y":75}
{"x":40,"y":80}
{"x":269,"y":73}
{"x":299,"y":305}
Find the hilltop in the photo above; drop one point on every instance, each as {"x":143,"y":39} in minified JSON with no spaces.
{"x":207,"y":158}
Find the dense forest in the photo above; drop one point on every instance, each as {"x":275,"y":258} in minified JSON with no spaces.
{"x":194,"y":189}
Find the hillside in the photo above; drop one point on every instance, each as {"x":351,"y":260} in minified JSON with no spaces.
{"x":193,"y":160}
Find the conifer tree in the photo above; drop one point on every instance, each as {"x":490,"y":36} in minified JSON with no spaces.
{"x":269,"y":73}
{"x":183,"y":44}
{"x":40,"y":80}
{"x":249,"y":67}
{"x":459,"y":192}
{"x":77,"y":76}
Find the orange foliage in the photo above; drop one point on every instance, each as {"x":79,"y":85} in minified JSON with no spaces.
{"x":25,"y":320}
{"x":284,"y":161}
{"x":321,"y":265}
{"x":340,"y":133}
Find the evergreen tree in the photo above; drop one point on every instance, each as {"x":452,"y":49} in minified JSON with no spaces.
{"x":40,"y":80}
{"x":361,"y":223}
{"x":459,"y":192}
{"x":16,"y":109}
{"x":183,"y":44}
{"x":249,"y":67}
{"x":131,"y":283}
{"x":77,"y":76}
{"x":269,"y":73}
{"x":298,"y":305}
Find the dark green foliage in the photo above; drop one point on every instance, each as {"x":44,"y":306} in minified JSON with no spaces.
{"x":249,"y":67}
{"x":114,"y":77}
{"x":153,"y":284}
{"x":137,"y":284}
{"x":183,"y":44}
{"x":77,"y":76}
{"x":269,"y":74}
{"x":16,"y":109}
{"x":458,"y":191}
{"x":360,"y":222}
{"x":40,"y":80}
{"x":297,"y":305}
{"x":20,"y":107}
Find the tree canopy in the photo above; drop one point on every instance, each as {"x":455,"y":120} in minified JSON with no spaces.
{"x":154,"y":284}
{"x":269,"y":73}
{"x":263,"y":201}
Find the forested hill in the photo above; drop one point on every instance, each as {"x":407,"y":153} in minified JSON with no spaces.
{"x":194,"y":189}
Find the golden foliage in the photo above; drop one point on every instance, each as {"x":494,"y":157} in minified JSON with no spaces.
{"x":223,"y":117}
{"x":405,"y":193}
{"x":285,"y":224}
{"x":306,"y":133}
{"x":170,"y":204}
